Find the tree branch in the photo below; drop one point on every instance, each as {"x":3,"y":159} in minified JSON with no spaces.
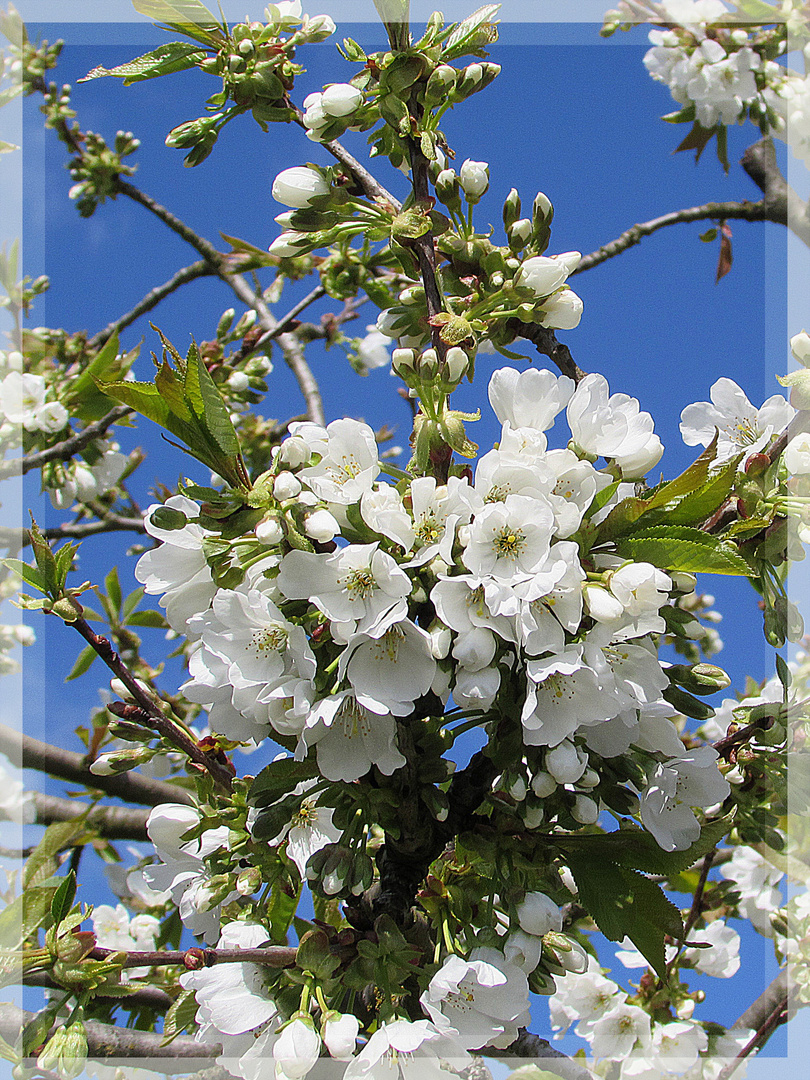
{"x":151,"y":300}
{"x":148,"y":997}
{"x":148,"y":709}
{"x":774,"y":1006}
{"x":66,"y":765}
{"x":61,"y":451}
{"x":783,"y":203}
{"x":277,"y":956}
{"x":112,"y":822}
{"x":546,"y":343}
{"x":721,"y":211}
{"x":528,"y":1045}
{"x":108,"y":1041}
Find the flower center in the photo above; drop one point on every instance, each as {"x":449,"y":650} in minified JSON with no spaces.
{"x":269,"y":639}
{"x":359,"y":583}
{"x":428,"y":530}
{"x":509,"y":543}
{"x":498,"y":493}
{"x":345,"y":470}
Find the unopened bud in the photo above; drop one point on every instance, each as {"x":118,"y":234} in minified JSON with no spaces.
{"x":700,"y":678}
{"x":542,"y":210}
{"x":403,"y":361}
{"x":270,"y":531}
{"x":511,"y":208}
{"x":321,"y":525}
{"x":440,"y":84}
{"x":249,"y":881}
{"x":121,"y":761}
{"x":448,"y":189}
{"x":428,"y":364}
{"x":519,"y":233}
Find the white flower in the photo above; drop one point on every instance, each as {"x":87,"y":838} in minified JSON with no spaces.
{"x":676,"y":786}
{"x":543,"y":274}
{"x":797,"y":454}
{"x":391,"y":671}
{"x":478,"y":1000}
{"x":531,"y":398}
{"x":741,"y":427}
{"x":722,"y":959}
{"x":563,"y":693}
{"x":309,"y":829}
{"x":373,"y":349}
{"x":438,"y":510}
{"x":349,"y":463}
{"x":183,"y":870}
{"x":177,"y":568}
{"x":20,"y":397}
{"x":297,"y":1049}
{"x":583,"y":999}
{"x":405,"y":1050}
{"x":350,"y":738}
{"x":612,"y":426}
{"x":800,"y":347}
{"x":640,"y":587}
{"x":299,"y":186}
{"x":615,"y":1033}
{"x":538,"y":914}
{"x":383,"y":511}
{"x":340,"y":99}
{"x":509,"y":540}
{"x":757,"y":882}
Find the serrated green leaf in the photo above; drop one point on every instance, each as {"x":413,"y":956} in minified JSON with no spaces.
{"x":213,"y":410}
{"x":278,"y":779}
{"x":461,"y":33}
{"x":64,"y":561}
{"x":699,"y":505}
{"x":143,"y":397}
{"x":189,"y":17}
{"x":181,"y":1015}
{"x":165,"y":60}
{"x":113,"y":587}
{"x":25,"y":915}
{"x":637,"y":849}
{"x":56,"y":837}
{"x":171,"y":390}
{"x":83,"y":663}
{"x":131,"y":602}
{"x":46,"y":562}
{"x":63,"y":898}
{"x":30,"y":575}
{"x":624,"y":903}
{"x":678,"y":547}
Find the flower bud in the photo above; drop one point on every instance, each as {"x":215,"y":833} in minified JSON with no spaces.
{"x":519,"y":233}
{"x":290,"y":243}
{"x":239,"y":382}
{"x":294,"y":452}
{"x":543,"y":274}
{"x":565,"y":762}
{"x":249,"y":881}
{"x":340,"y":99}
{"x":297,"y":187}
{"x":474,"y":179}
{"x":538,"y":914}
{"x":286,"y":486}
{"x":542,"y":210}
{"x":270,"y":531}
{"x":683,"y":582}
{"x":800,"y":347}
{"x":428,"y":364}
{"x":440,"y":84}
{"x":601,"y":604}
{"x":321,"y":526}
{"x":562,"y":311}
{"x":456,"y":363}
{"x":448,"y":189}
{"x":585,"y":810}
{"x":511,"y":208}
{"x":318,"y":28}
{"x":543,"y":785}
{"x":403,"y":361}
{"x":121,"y":761}
{"x":699,"y":678}
{"x":339,"y":1033}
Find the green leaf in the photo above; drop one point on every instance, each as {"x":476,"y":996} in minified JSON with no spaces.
{"x":699,"y":505}
{"x":41,"y":862}
{"x":624,"y":903}
{"x":46,"y":563}
{"x":213,"y":410}
{"x":181,"y":1015}
{"x":83,"y":663}
{"x":697,"y":139}
{"x":63,"y":898}
{"x":113,"y":587}
{"x":467,"y":30}
{"x":678,"y":547}
{"x":148,"y":618}
{"x":30,"y":575}
{"x":165,"y":60}
{"x":278,"y":779}
{"x":25,"y":915}
{"x":189,"y":17}
{"x":131,"y":603}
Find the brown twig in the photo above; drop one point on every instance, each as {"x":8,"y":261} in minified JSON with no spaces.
{"x":546,"y":343}
{"x":771,"y":1009}
{"x":277,"y":956}
{"x":147,"y":997}
{"x":149,"y":708}
{"x":783,"y":204}
{"x":67,"y":765}
{"x":61,"y":451}
{"x":714,"y":211}
{"x":199,"y":269}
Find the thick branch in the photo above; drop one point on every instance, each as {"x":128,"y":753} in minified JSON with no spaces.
{"x":770,"y":1010}
{"x":783,"y":203}
{"x":148,"y":997}
{"x":151,"y":300}
{"x":758,"y":1011}
{"x":66,"y":765}
{"x":107,"y":1041}
{"x":61,"y":451}
{"x":546,"y":343}
{"x":721,"y":211}
{"x":527,"y":1045}
{"x":112,"y":822}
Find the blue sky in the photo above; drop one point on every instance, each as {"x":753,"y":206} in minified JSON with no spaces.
{"x":571,"y":114}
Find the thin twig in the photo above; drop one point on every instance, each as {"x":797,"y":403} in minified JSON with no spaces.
{"x":61,"y":451}
{"x":721,"y":211}
{"x":770,"y":1010}
{"x":151,"y":300}
{"x":148,"y":997}
{"x":66,"y":765}
{"x":149,"y":708}
{"x":370,"y":185}
{"x":277,"y":956}
{"x":546,"y":343}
